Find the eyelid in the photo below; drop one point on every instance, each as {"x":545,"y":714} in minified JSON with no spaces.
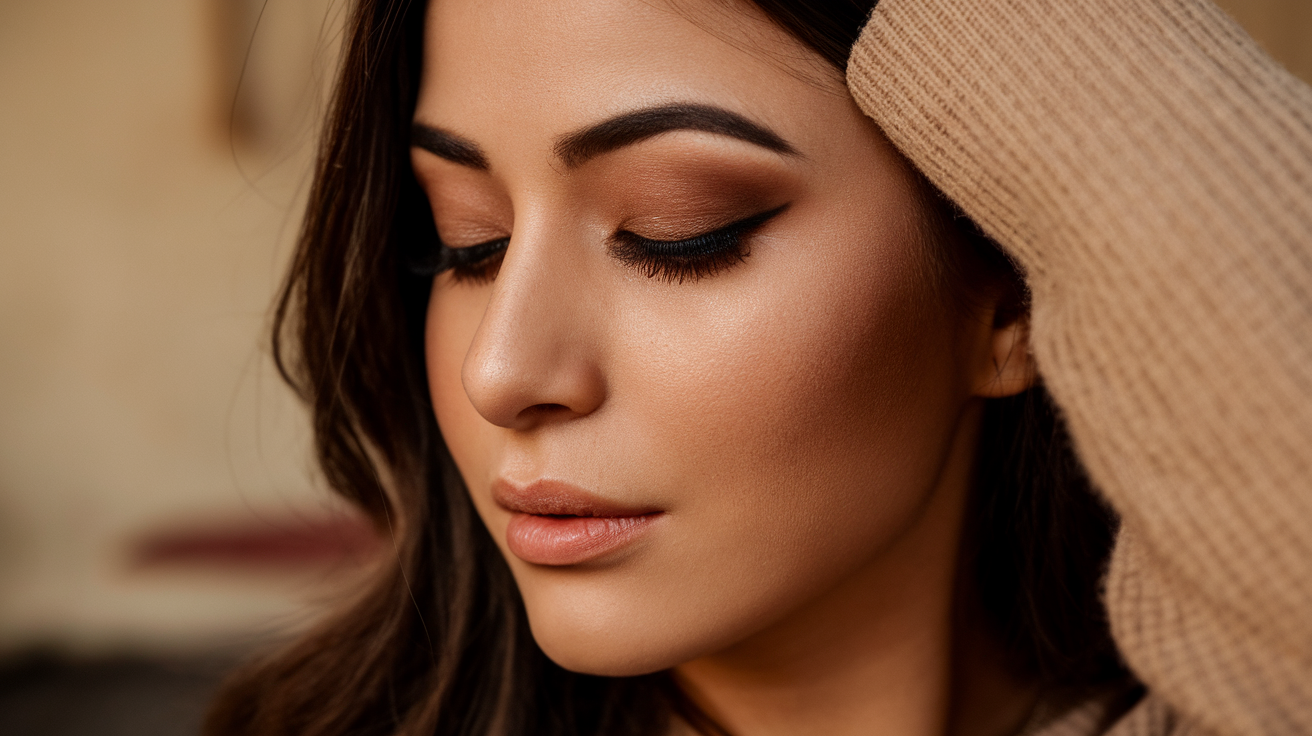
{"x":445,"y":258}
{"x":737,"y":226}
{"x":470,"y":254}
{"x":692,"y":257}
{"x":467,"y":254}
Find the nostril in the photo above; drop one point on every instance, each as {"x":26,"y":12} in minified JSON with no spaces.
{"x":538,"y":415}
{"x":543,"y":411}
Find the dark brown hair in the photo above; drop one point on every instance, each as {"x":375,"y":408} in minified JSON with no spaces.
{"x":439,"y":644}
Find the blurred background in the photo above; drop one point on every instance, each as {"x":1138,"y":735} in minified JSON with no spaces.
{"x":159,"y":511}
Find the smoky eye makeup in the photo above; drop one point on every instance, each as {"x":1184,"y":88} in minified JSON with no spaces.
{"x":691,"y":258}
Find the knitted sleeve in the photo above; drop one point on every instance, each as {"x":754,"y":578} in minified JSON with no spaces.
{"x":1151,"y":170}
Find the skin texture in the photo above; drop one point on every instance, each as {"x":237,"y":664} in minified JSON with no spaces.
{"x":805,"y":419}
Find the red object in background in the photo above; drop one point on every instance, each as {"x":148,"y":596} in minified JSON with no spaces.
{"x":253,"y":544}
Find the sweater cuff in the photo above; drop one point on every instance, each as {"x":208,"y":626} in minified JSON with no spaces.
{"x":1001,"y":103}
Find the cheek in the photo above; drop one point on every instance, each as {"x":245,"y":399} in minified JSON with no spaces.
{"x":836,"y":380}
{"x":832,"y":356}
{"x":792,"y":429}
{"x":829,"y":356}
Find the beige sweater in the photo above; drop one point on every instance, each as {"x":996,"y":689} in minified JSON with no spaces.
{"x":1151,"y":170}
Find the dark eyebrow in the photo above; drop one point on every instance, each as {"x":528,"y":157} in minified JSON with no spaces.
{"x":577,"y":148}
{"x":448,"y":145}
{"x":629,"y":128}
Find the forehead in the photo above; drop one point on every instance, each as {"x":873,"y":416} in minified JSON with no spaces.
{"x":498,"y":70}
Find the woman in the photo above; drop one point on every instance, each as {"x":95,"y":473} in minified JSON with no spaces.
{"x":691,"y":405}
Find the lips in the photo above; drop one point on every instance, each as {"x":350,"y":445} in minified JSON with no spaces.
{"x":555,"y":523}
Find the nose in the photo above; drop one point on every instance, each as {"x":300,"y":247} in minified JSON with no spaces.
{"x":535,"y":356}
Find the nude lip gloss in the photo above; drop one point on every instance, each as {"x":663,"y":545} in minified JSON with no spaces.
{"x":570,"y":540}
{"x":556,"y":523}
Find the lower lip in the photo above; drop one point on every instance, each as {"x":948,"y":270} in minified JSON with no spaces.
{"x":571,"y":540}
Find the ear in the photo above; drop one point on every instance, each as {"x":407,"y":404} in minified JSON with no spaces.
{"x":1006,"y":368}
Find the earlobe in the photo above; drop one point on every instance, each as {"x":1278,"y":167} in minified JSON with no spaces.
{"x":1007,"y":368}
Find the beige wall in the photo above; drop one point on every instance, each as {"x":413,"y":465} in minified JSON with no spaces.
{"x":1283,"y":27}
{"x":136,"y":266}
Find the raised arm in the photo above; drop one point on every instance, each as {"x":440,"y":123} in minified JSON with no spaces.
{"x":1151,"y":169}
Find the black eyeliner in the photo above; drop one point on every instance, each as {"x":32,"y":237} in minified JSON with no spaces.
{"x":690,"y":258}
{"x":461,"y":260}
{"x":672,"y":260}
{"x":703,"y":244}
{"x":472,"y":255}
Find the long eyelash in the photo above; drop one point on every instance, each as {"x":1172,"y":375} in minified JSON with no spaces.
{"x":474,"y":264}
{"x":692,"y":258}
{"x":477,"y":264}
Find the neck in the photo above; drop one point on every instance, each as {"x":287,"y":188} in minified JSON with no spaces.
{"x":882,"y":652}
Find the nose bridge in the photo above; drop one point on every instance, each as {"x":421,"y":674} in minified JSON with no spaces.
{"x":535,"y":355}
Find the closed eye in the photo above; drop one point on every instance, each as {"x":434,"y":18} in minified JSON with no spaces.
{"x":472,"y":264}
{"x":689,"y":259}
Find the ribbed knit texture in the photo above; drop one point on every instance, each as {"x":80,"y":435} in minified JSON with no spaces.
{"x":1150,"y":716}
{"x":1151,"y":170}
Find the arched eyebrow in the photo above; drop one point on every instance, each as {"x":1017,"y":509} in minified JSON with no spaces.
{"x":625,"y":129}
{"x":628,"y":128}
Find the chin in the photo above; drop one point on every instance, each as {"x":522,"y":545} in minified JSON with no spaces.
{"x":591,"y":632}
{"x":641,"y":614}
{"x":651,"y":611}
{"x":621,"y":657}
{"x":617,"y":651}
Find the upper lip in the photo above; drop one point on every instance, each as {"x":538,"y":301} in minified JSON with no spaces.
{"x":546,"y":497}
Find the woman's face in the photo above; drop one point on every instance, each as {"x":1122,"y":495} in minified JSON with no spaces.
{"x":713,"y":377}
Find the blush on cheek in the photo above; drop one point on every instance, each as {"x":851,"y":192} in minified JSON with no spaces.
{"x":845,"y":353}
